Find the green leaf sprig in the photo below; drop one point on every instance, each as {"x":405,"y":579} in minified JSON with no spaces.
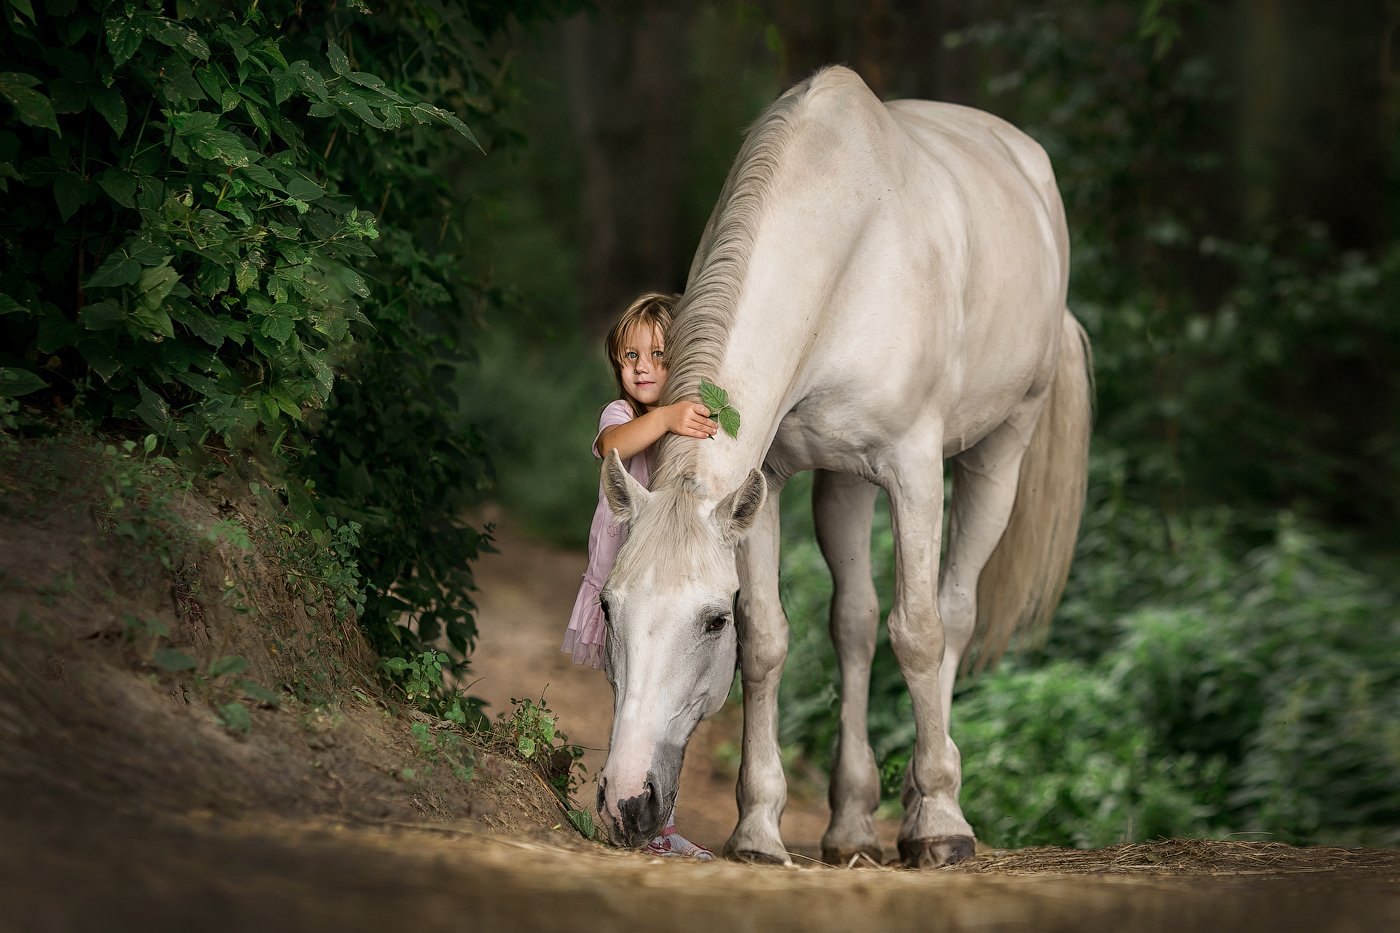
{"x":717,"y":401}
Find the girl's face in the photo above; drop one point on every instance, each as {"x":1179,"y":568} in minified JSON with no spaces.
{"x":643,"y":365}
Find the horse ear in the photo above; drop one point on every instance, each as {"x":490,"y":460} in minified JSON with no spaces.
{"x":737,"y":511}
{"x":625,"y":495}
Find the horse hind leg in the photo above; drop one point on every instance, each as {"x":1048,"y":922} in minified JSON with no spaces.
{"x":842,"y":507}
{"x":984,"y":491}
{"x":985,"y":478}
{"x":934,"y":830}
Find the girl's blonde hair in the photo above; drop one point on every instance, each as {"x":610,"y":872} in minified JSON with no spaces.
{"x":653,"y":310}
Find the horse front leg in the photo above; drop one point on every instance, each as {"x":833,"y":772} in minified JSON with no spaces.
{"x":934,"y":831}
{"x":763,"y":642}
{"x":842,"y":507}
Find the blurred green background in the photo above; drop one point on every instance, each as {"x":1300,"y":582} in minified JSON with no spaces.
{"x":1227,"y":656}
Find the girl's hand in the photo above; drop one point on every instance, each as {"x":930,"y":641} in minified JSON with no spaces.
{"x":689,"y":419}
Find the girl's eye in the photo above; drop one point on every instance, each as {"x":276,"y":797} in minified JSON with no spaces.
{"x":716,"y":623}
{"x":630,"y":355}
{"x":658,"y":354}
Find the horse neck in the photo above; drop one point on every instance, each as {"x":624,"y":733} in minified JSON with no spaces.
{"x":759,"y":290}
{"x":759,"y":366}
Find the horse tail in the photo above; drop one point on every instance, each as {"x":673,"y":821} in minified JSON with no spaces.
{"x":1025,"y":577}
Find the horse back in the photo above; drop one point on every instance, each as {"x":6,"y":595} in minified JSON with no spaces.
{"x":892,"y":268}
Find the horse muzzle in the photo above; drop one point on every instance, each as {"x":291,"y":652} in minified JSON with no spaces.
{"x":632,"y":813}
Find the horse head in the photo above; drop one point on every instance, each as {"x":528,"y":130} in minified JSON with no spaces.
{"x":671,"y":643}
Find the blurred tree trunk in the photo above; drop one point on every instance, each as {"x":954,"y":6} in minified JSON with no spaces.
{"x":1390,"y":113}
{"x":895,"y":45}
{"x":1313,"y":86}
{"x":941,"y":73}
{"x":627,"y":93}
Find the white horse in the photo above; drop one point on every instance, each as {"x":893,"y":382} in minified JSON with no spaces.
{"x":881,"y":287}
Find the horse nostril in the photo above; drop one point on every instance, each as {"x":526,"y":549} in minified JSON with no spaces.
{"x":650,"y":789}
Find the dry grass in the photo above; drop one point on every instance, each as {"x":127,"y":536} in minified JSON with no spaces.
{"x":1188,"y":857}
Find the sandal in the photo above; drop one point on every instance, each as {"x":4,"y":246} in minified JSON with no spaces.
{"x":671,"y":844}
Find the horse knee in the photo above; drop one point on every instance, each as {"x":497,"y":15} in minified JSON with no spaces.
{"x":917,"y":642}
{"x":763,"y":641}
{"x":958,"y":609}
{"x":764,"y":656}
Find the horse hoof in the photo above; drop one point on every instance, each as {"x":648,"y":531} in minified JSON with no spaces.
{"x":860,"y":857}
{"x":937,"y":852}
{"x":755,"y":857}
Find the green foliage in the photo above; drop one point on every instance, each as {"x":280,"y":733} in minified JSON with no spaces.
{"x":209,"y":281}
{"x":235,"y":717}
{"x":397,"y":460}
{"x":172,"y":661}
{"x":531,"y":730}
{"x":234,"y":228}
{"x":582,"y":821}
{"x":532,"y":727}
{"x":419,"y":677}
{"x":1054,"y":757}
{"x":322,"y":562}
{"x":717,"y":401}
{"x":9,"y":420}
{"x":441,"y":744}
{"x":420,"y":680}
{"x":140,"y":490}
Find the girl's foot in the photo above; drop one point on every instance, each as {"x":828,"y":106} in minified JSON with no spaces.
{"x":671,"y":844}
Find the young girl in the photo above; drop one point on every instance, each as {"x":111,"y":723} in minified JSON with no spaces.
{"x":632,"y":424}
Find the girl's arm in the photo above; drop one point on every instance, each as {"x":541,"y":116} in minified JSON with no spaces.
{"x":688,"y":419}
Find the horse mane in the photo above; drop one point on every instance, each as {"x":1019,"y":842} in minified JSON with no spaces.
{"x":700,"y":330}
{"x":670,"y":540}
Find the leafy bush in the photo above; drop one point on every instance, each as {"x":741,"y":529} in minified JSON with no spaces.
{"x":1056,"y":756}
{"x":234,"y":228}
{"x":177,"y":251}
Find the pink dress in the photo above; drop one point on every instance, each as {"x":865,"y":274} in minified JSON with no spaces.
{"x":587,"y":631}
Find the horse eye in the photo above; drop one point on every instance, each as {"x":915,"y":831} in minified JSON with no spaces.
{"x":715,"y":623}
{"x":604,"y":604}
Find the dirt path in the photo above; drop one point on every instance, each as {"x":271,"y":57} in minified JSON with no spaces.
{"x":526,"y":594}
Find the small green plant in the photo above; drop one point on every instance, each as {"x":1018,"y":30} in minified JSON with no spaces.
{"x":532,"y":732}
{"x":235,"y":717}
{"x":443,"y":745}
{"x":9,"y":416}
{"x":321,"y":562}
{"x":221,"y":678}
{"x":582,"y":821}
{"x":532,"y":727}
{"x":419,"y":677}
{"x":717,"y":401}
{"x":220,"y":682}
{"x":231,"y":531}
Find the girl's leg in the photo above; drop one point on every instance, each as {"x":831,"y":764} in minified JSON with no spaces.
{"x":671,"y":844}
